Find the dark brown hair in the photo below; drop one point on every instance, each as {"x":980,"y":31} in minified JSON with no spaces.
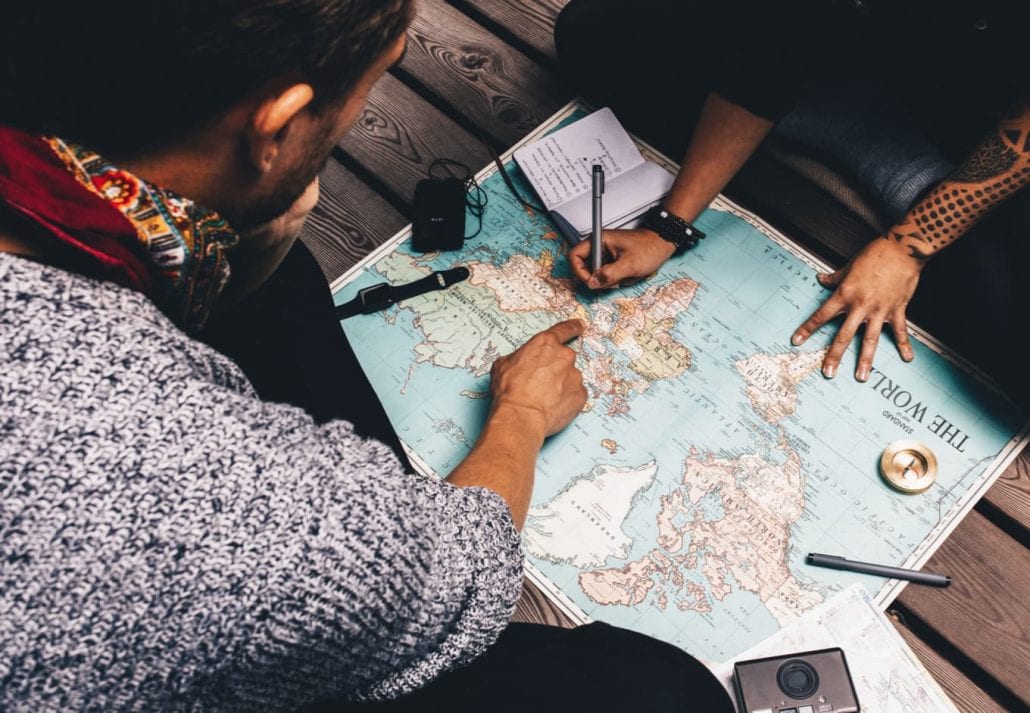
{"x":129,"y":75}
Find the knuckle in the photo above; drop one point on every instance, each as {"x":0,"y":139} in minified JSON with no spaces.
{"x":842,"y":340}
{"x":829,"y":310}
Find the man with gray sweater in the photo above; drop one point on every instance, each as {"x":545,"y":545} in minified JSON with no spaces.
{"x":169,"y":540}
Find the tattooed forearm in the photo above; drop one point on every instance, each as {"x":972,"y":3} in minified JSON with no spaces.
{"x":993,"y":157}
{"x":998,"y":168}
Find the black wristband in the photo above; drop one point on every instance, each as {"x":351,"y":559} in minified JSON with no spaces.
{"x":672,"y":228}
{"x":377,"y":297}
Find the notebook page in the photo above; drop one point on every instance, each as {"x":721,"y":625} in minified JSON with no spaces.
{"x":626,"y":197}
{"x":559,"y":166}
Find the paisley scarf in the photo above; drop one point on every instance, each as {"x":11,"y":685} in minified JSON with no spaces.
{"x":116,"y":226}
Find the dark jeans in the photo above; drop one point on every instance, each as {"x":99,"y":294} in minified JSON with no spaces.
{"x":545,"y":669}
{"x":631,"y":55}
{"x":286,"y":339}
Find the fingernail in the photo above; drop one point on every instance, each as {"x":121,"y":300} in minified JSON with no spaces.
{"x":796,"y":340}
{"x":863,"y":373}
{"x":909,"y":354}
{"x":830,"y":371}
{"x":593,"y":283}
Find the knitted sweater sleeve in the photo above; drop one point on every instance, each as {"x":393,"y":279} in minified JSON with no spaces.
{"x":354,"y":578}
{"x":168,"y":541}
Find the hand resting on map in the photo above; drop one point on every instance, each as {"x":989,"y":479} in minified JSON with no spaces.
{"x":873,"y":289}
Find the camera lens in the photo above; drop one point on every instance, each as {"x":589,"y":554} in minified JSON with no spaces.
{"x":797,"y":679}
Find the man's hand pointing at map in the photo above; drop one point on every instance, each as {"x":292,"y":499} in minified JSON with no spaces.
{"x":537,"y":391}
{"x":541,"y":380}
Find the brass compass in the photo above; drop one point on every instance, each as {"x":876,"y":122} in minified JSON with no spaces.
{"x":909,"y":467}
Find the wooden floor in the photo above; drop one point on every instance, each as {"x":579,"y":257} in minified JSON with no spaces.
{"x":488,"y":67}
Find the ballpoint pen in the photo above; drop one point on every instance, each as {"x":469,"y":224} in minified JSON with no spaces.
{"x":835,"y":562}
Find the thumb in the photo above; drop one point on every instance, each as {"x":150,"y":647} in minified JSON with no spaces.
{"x":831,"y":279}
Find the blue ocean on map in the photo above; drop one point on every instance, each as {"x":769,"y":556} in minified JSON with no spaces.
{"x":713,"y":456}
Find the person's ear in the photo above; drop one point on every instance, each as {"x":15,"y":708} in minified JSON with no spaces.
{"x":271,"y":121}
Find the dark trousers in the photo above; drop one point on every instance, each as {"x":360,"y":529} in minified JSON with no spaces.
{"x":545,"y":669}
{"x":634,"y":56}
{"x":286,"y":339}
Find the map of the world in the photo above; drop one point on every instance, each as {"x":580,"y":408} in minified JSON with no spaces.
{"x":712,"y":456}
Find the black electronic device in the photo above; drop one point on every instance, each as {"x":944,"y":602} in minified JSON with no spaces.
{"x":809,"y":682}
{"x":439,"y":215}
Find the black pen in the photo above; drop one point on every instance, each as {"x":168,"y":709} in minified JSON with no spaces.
{"x":834,"y":562}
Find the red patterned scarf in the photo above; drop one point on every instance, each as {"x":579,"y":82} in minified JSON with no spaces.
{"x":116,"y":226}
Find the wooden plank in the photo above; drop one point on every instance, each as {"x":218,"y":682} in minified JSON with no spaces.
{"x":348,"y":222}
{"x":534,"y":608}
{"x":400,"y":134}
{"x":494,"y":86}
{"x":985,"y":612}
{"x":1011,"y":492}
{"x":532,"y":21}
{"x":967,"y":696}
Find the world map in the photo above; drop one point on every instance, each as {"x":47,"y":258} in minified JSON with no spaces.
{"x":712,"y":456}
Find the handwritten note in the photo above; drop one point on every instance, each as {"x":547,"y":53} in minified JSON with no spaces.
{"x":559,"y":166}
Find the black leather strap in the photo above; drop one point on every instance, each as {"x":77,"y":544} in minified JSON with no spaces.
{"x":672,"y":228}
{"x":378,"y":297}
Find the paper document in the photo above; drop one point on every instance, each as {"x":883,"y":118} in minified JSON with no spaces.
{"x":887,"y":675}
{"x":559,"y":167}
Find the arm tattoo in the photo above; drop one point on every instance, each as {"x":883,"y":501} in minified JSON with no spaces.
{"x":996,"y":170}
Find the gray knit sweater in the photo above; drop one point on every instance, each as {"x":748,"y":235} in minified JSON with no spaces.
{"x":170,"y":542}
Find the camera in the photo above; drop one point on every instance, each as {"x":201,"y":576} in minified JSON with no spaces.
{"x":810,"y":682}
